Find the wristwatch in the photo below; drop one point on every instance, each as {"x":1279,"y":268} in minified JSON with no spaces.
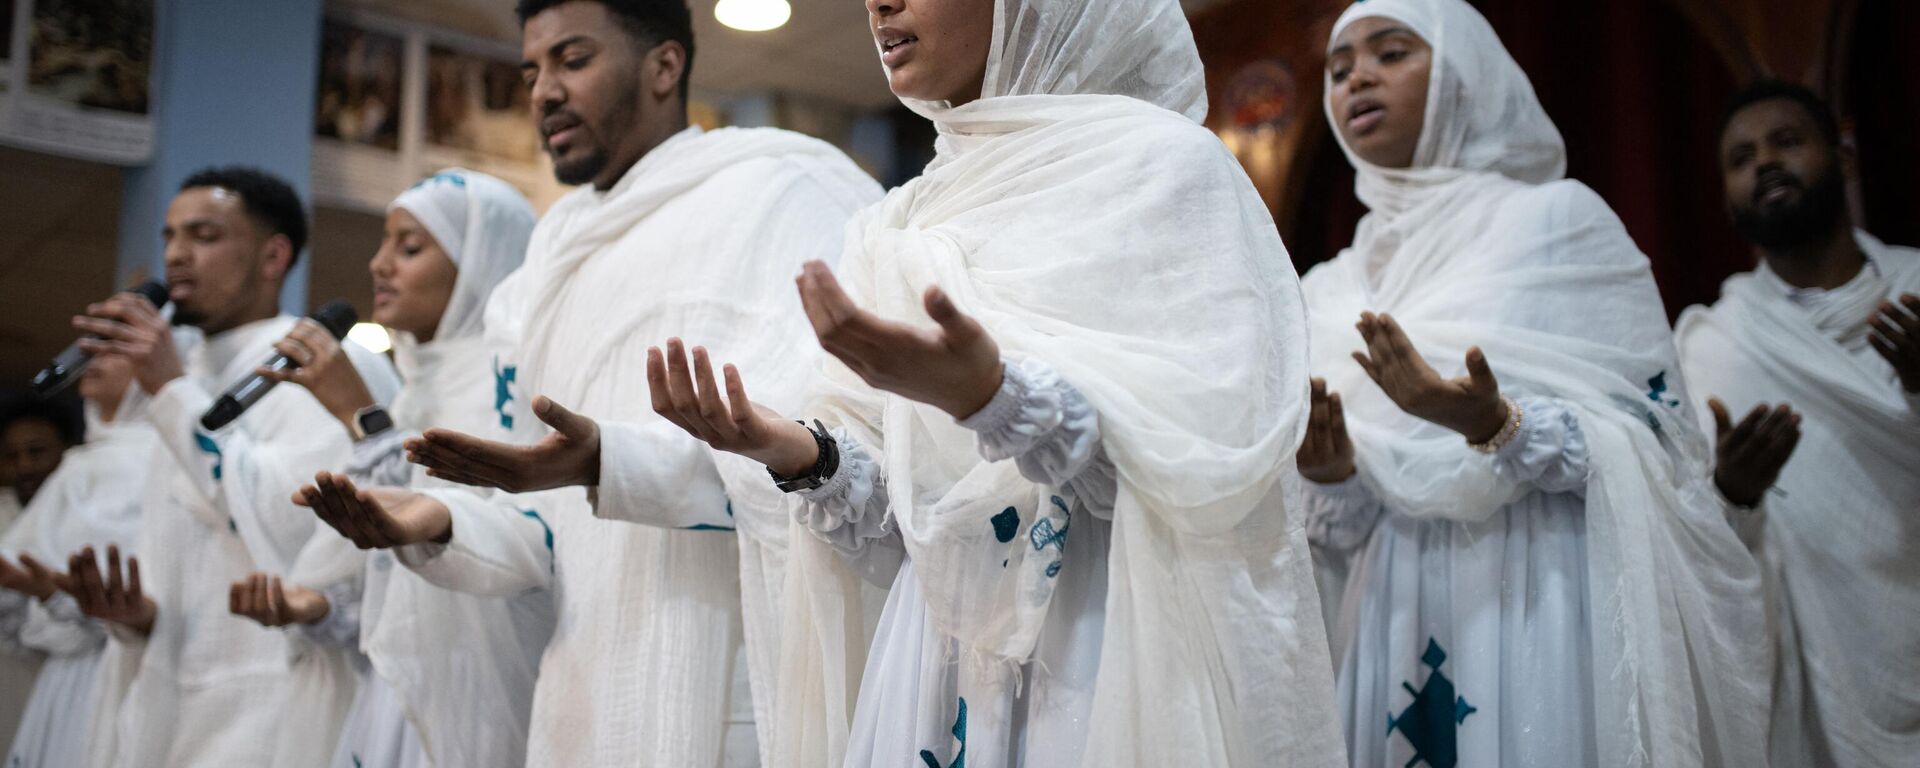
{"x":369,"y":421}
{"x":823,"y":467}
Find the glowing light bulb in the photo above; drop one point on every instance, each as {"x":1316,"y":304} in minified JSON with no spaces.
{"x":373,"y":336}
{"x":753,"y":15}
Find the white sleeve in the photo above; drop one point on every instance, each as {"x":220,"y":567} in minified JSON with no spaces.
{"x":1050,"y":431}
{"x":850,"y":512}
{"x":1340,"y":516}
{"x":1549,"y":453}
{"x":249,"y":470}
{"x":656,"y":474}
{"x":57,"y":628}
{"x":501,"y":545}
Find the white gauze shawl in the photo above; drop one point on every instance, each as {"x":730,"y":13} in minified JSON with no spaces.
{"x":461,"y":663}
{"x":1081,"y":214}
{"x":1478,"y":245}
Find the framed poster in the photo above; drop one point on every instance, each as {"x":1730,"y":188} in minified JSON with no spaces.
{"x":78,"y":78}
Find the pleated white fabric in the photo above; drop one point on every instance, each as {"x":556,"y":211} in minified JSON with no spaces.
{"x":1840,"y":541}
{"x":1083,"y":216}
{"x":1565,"y":307}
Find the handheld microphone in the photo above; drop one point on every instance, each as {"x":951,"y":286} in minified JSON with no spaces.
{"x":336,"y":317}
{"x":66,"y":368}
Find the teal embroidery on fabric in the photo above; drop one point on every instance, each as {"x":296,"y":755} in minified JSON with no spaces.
{"x":1006,"y":524}
{"x":705,"y":527}
{"x":503,"y":379}
{"x":442,"y":177}
{"x":959,"y":732}
{"x":549,"y":530}
{"x":208,"y":446}
{"x":1657,"y":391}
{"x":1431,"y":722}
{"x":1044,"y":535}
{"x":356,"y":761}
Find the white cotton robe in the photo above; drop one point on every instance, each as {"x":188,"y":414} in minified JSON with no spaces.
{"x":208,"y":688}
{"x":1840,"y":539}
{"x":1578,"y":599}
{"x":94,"y":498}
{"x":452,"y":674}
{"x":700,"y":240}
{"x":1082,"y":215}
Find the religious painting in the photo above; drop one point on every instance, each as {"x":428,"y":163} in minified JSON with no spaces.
{"x":95,"y":54}
{"x":479,"y":105}
{"x":359,"y":93}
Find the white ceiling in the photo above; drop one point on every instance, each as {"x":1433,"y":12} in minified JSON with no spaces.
{"x":824,"y":51}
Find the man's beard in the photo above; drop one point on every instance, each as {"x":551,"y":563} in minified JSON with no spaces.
{"x":582,"y":168}
{"x":188,"y":317}
{"x":1799,"y":223}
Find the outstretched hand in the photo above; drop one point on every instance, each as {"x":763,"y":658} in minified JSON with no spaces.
{"x":688,"y":396}
{"x":110,"y":597}
{"x":1749,"y":456}
{"x":955,"y":367}
{"x":266,"y":600}
{"x":30,"y":578}
{"x":376,"y":518}
{"x":1470,"y":405}
{"x":567,"y":457}
{"x":1326,"y":456}
{"x":1896,"y":336}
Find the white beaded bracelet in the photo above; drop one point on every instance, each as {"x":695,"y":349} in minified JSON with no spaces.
{"x":1516,"y":419}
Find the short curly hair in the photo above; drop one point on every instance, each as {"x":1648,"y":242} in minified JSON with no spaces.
{"x":269,"y":199}
{"x":649,"y":22}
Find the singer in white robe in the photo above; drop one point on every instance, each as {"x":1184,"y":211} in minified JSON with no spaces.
{"x":1840,"y":540}
{"x":452,"y":673}
{"x":701,"y":238}
{"x":95,"y":497}
{"x":207,"y":688}
{"x":1098,"y":566}
{"x":1576,"y":597}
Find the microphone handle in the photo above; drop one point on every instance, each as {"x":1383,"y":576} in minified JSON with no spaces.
{"x":243,"y":395}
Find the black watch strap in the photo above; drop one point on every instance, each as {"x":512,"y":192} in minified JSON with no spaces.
{"x":823,"y":467}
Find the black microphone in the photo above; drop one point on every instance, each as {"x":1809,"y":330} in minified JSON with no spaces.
{"x":336,"y":317}
{"x":65,"y":369}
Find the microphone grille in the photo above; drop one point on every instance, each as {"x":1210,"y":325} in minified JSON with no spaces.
{"x":154,"y":291}
{"x":336,"y":316}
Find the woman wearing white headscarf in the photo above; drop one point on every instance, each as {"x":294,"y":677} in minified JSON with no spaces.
{"x":452,"y":674}
{"x":1075,"y":487}
{"x":1536,"y":570}
{"x":94,"y":498}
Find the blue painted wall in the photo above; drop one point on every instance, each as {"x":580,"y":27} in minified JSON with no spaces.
{"x":233,"y":83}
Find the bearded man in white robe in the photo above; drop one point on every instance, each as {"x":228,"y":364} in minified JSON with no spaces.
{"x":671,"y":561}
{"x":1819,"y":346}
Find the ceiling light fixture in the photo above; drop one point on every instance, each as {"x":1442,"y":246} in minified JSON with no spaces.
{"x":753,"y":15}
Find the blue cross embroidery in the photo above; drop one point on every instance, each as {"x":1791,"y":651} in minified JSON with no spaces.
{"x":1431,"y":723}
{"x":503,"y":379}
{"x":1006,"y":524}
{"x":959,"y":732}
{"x":208,"y":446}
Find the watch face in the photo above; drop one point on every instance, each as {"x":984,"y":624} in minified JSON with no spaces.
{"x":374,"y":422}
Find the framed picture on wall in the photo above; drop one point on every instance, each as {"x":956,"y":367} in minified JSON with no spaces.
{"x":360,"y":85}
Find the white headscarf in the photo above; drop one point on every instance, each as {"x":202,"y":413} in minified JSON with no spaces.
{"x":1081,"y":214}
{"x":464,"y":664}
{"x":1478,"y":244}
{"x":483,"y":224}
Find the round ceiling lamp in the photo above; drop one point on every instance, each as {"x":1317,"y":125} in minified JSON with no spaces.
{"x":753,"y":15}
